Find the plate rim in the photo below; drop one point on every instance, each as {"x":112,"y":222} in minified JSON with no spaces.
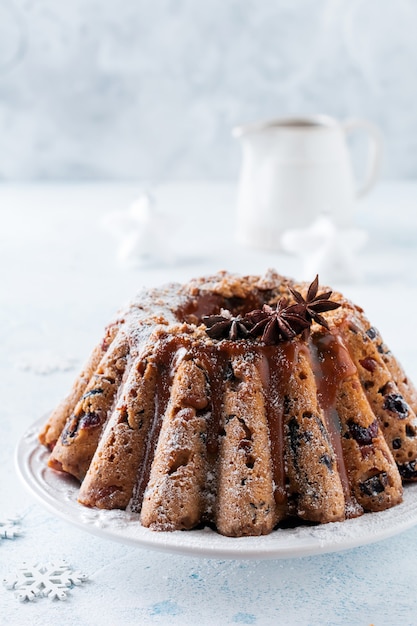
{"x":30,"y":462}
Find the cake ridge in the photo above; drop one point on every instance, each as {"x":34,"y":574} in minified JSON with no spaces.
{"x":242,"y":433}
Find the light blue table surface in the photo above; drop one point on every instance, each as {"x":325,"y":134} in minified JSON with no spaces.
{"x":60,"y":283}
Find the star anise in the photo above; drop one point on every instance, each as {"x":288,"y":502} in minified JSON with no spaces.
{"x":282,"y":323}
{"x":314,"y":304}
{"x":225,"y":326}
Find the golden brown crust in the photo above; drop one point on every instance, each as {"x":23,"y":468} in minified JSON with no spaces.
{"x":395,"y":416}
{"x":404,"y":384}
{"x":373,"y":475}
{"x":174,"y":496}
{"x":315,"y":487}
{"x":112,"y":474}
{"x":79,"y":438}
{"x":185,"y":429}
{"x":245,"y":502}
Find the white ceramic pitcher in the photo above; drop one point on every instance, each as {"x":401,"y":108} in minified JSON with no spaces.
{"x":296,"y":169}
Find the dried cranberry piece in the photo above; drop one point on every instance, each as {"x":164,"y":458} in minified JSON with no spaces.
{"x":395,"y":403}
{"x":70,"y":430}
{"x":374,"y":485}
{"x":367,"y":451}
{"x":245,"y":444}
{"x":363,"y":436}
{"x":369,"y":364}
{"x":89,"y":420}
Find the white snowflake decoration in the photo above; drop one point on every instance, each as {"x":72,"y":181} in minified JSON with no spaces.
{"x":9,"y":528}
{"x":51,"y":580}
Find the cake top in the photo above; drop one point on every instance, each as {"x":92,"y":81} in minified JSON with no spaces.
{"x":273,"y":325}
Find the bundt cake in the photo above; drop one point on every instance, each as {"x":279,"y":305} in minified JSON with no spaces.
{"x":243,"y":403}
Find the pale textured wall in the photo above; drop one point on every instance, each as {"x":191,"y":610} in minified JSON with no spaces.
{"x":149,"y":89}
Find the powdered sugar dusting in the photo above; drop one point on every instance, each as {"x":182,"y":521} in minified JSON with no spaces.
{"x":60,"y":496}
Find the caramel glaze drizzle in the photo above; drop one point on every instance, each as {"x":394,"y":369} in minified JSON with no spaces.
{"x":161,"y":398}
{"x":194,"y":309}
{"x":330,"y":363}
{"x":275,"y":369}
{"x":167,"y":357}
{"x":273,"y":363}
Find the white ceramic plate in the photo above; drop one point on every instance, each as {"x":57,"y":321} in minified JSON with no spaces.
{"x":58,"y":493}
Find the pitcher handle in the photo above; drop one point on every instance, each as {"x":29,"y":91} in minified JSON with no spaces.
{"x":374,"y":152}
